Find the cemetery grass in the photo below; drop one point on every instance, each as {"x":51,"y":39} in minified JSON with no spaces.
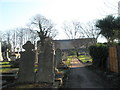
{"x":67,"y":62}
{"x":4,"y":70}
{"x":4,"y":62}
{"x":5,"y":67}
{"x":84,"y":58}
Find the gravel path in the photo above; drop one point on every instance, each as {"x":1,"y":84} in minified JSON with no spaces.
{"x":82,"y":77}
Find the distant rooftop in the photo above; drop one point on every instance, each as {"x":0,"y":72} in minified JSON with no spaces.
{"x":72,"y":43}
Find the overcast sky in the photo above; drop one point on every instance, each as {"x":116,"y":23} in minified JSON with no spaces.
{"x":17,"y":13}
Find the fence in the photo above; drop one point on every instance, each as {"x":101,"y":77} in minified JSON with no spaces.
{"x":114,"y":59}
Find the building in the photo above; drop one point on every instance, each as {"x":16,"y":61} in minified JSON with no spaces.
{"x":69,"y":44}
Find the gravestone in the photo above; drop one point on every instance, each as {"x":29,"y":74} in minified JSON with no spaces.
{"x":6,"y":55}
{"x":55,"y":63}
{"x":1,"y":58}
{"x":64,"y":57}
{"x":36,"y":56}
{"x":27,"y":62}
{"x":58,"y":56}
{"x":45,"y":71}
{"x":13,"y":57}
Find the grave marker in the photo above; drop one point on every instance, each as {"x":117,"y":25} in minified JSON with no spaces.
{"x":1,"y":58}
{"x":46,"y":63}
{"x":6,"y":55}
{"x":26,"y":70}
{"x":58,"y":56}
{"x":64,"y":57}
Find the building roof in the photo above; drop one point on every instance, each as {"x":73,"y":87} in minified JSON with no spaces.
{"x":73,"y":43}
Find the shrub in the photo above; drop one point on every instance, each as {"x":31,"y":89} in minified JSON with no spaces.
{"x":99,"y":54}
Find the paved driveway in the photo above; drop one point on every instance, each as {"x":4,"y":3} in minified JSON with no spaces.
{"x":81,"y":77}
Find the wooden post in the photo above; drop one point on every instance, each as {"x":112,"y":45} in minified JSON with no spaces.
{"x":113,"y":59}
{"x":118,"y":54}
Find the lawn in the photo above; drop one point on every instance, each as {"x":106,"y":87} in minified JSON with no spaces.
{"x":84,"y":58}
{"x":67,"y":62}
{"x":6,"y":67}
{"x":3,"y":70}
{"x":4,"y":62}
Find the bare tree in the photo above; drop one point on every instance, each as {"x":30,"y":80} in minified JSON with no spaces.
{"x":25,"y":34}
{"x":14,"y":40}
{"x":39,"y":27}
{"x":87,"y":33}
{"x":1,"y":36}
{"x":109,"y":8}
{"x":33,"y":35}
{"x":44,"y":27}
{"x":6,"y":37}
{"x":72,"y":31}
{"x":89,"y":30}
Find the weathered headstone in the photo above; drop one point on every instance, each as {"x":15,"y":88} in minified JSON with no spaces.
{"x":36,"y":56}
{"x":13,"y":57}
{"x":55,"y":63}
{"x":64,"y":57}
{"x":46,"y":63}
{"x":6,"y":55}
{"x":58,"y":56}
{"x":27,"y":62}
{"x":1,"y":58}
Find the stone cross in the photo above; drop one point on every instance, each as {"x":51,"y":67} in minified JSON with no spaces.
{"x":1,"y":58}
{"x":45,"y":71}
{"x":27,"y":62}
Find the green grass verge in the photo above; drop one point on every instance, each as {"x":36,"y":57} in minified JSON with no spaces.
{"x":67,"y":62}
{"x":5,"y":65}
{"x":84,"y":58}
{"x":6,"y":69}
{"x":4,"y":62}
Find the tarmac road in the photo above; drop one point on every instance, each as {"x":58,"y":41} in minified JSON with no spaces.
{"x":82,"y":77}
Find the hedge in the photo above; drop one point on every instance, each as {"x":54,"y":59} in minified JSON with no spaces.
{"x":99,"y":54}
